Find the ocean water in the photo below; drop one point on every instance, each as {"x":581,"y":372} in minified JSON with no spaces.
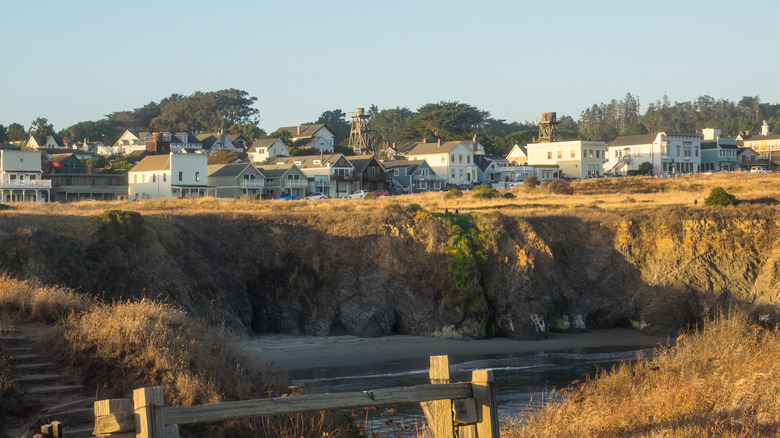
{"x":519,"y":380}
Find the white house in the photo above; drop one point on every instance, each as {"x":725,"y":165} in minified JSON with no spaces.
{"x":517,"y":156}
{"x":575,"y":159}
{"x":453,"y":160}
{"x":135,"y":141}
{"x":20,"y":176}
{"x":169,"y":176}
{"x":669,"y":153}
{"x":265,"y":148}
{"x":315,"y":143}
{"x":45,"y":142}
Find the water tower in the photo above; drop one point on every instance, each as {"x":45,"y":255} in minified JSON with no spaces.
{"x":361,"y":138}
{"x":547,"y":124}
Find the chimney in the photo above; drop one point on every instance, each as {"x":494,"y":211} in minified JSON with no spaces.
{"x":438,"y":143}
{"x":299,"y":130}
{"x":90,"y":168}
{"x":393,"y":145}
{"x":474,"y":144}
{"x":425,"y":140}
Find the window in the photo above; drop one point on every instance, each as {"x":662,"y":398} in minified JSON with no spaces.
{"x":468,"y":159}
{"x":197,"y":176}
{"x":696,"y":148}
{"x":135,"y":181}
{"x":560,"y":154}
{"x":549,"y":155}
{"x":590,"y":153}
{"x":460,"y":158}
{"x":687,"y":149}
{"x":164,"y":177}
{"x":452,"y":158}
{"x":678,"y":150}
{"x":597,"y":153}
{"x":637,"y":151}
{"x":154,"y":178}
{"x":443,"y":159}
{"x":143,"y":178}
{"x":21,"y":160}
{"x":573,"y":153}
{"x":395,"y":172}
{"x":180,"y":175}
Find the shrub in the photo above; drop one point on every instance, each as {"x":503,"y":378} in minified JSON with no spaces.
{"x":509,"y":195}
{"x":485,"y":192}
{"x":719,"y":196}
{"x":370,"y":195}
{"x":531,"y":183}
{"x":557,"y":186}
{"x":453,"y":193}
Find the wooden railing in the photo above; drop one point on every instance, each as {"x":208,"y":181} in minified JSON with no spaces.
{"x":452,"y":409}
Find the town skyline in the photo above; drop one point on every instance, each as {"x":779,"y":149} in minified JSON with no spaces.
{"x":512,"y":60}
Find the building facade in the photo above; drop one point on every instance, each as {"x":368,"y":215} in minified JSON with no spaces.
{"x":20,"y":177}
{"x":575,"y":159}
{"x":669,"y":153}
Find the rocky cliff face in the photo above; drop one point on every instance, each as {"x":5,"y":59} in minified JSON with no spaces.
{"x":402,"y":270}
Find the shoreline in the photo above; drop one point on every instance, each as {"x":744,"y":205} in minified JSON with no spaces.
{"x":295,"y":353}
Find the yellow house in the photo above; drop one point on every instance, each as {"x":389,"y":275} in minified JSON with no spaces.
{"x":576,"y":159}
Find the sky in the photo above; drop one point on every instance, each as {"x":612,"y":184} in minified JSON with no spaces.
{"x":82,"y":59}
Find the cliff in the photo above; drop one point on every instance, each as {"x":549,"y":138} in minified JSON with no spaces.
{"x":400,"y":269}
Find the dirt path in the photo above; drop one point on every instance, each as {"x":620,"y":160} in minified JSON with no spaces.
{"x":41,"y":394}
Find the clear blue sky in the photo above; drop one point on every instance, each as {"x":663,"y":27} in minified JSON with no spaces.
{"x":80,"y":60}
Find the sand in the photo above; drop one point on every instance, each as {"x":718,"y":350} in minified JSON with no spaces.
{"x":301,"y":353}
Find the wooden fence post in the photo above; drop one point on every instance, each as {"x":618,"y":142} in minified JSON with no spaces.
{"x":485,"y":397}
{"x":439,"y":412}
{"x":114,"y":417}
{"x":148,"y":404}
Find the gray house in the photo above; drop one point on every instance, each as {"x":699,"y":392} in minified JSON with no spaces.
{"x":236,"y":180}
{"x":414,"y":175}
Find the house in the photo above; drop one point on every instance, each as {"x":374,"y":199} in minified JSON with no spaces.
{"x":20,"y":176}
{"x":283,"y":179}
{"x":718,"y":153}
{"x":748,"y":158}
{"x":172,"y":175}
{"x":669,"y":153}
{"x":235,"y":180}
{"x":518,"y":155}
{"x":303,"y":132}
{"x":767,"y":147}
{"x":265,"y":148}
{"x":135,"y":141}
{"x":413,"y":176}
{"x":574,"y":159}
{"x":221,"y":141}
{"x":331,"y":174}
{"x":45,"y":142}
{"x":372,"y":174}
{"x":492,"y":169}
{"x":76,"y":183}
{"x":453,"y":160}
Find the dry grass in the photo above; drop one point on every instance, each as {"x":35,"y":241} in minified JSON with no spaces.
{"x":720,"y":381}
{"x":33,"y":302}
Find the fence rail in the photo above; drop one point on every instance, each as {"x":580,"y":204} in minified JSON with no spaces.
{"x":452,"y":409}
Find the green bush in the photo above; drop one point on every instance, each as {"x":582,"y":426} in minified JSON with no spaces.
{"x":485,"y":192}
{"x":719,"y":196}
{"x":453,"y":193}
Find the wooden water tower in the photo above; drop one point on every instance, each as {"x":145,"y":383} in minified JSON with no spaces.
{"x":547,"y":130}
{"x":361,"y":138}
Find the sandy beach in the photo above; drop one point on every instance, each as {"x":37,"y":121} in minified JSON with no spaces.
{"x":300,"y":353}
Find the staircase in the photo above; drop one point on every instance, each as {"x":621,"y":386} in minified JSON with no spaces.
{"x":36,"y":376}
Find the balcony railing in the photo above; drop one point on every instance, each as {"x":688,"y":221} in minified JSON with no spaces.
{"x":252,"y":184}
{"x":431,"y":178}
{"x":343,"y":177}
{"x":295,"y":183}
{"x":26,"y":184}
{"x":376,"y":176}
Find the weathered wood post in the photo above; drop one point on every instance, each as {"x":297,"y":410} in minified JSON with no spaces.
{"x":439,"y":412}
{"x":114,"y":417}
{"x":148,"y":404}
{"x":56,"y":429}
{"x":485,"y":397}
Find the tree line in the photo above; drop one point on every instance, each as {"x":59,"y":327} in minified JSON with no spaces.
{"x":232,"y":110}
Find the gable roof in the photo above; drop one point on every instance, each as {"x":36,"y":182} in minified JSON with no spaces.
{"x":217,"y":170}
{"x":275,"y":170}
{"x":305,"y":130}
{"x":763,"y":137}
{"x":360,"y":162}
{"x":630,"y":140}
{"x":420,"y":148}
{"x":264,"y":143}
{"x":9,"y":146}
{"x":308,"y":161}
{"x":152,"y":163}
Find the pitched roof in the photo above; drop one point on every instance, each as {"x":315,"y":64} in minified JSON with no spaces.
{"x":420,"y":148}
{"x":360,"y":162}
{"x":308,"y":161}
{"x":9,"y":146}
{"x":217,"y":170}
{"x":275,"y":170}
{"x":263,"y":143}
{"x":763,"y":137}
{"x":152,"y":163}
{"x":630,"y":140}
{"x":306,"y":130}
{"x":59,"y":158}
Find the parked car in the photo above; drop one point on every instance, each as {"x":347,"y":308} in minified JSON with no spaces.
{"x":382,"y":192}
{"x":288,"y":197}
{"x":359,"y":194}
{"x":317,"y":195}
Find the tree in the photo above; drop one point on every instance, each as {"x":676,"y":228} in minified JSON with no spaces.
{"x":100,"y":130}
{"x":206,"y":112}
{"x":336,"y":121}
{"x":16,"y":132}
{"x":445,"y":120}
{"x":645,"y":168}
{"x":41,"y":126}
{"x":389,"y":125}
{"x":3,"y":133}
{"x":249,"y":131}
